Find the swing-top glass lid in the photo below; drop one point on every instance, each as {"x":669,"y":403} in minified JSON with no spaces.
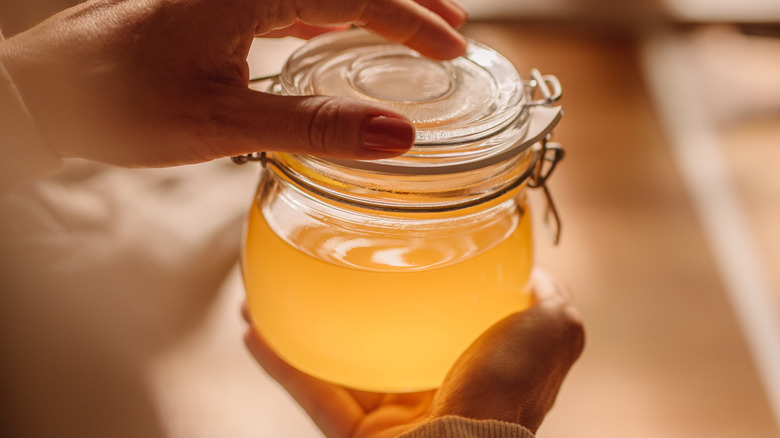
{"x":456,"y":101}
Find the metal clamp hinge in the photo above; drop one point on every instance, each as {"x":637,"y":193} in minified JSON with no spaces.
{"x":548,"y":86}
{"x":255,"y":156}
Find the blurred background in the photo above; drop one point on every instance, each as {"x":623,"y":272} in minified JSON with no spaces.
{"x":670,"y":200}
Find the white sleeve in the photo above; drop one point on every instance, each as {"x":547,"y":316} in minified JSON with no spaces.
{"x":458,"y":427}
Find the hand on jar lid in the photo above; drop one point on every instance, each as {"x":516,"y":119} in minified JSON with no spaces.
{"x":162,"y":83}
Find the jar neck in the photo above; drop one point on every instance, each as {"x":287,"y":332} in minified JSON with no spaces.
{"x":403,"y":193}
{"x":428,"y":178}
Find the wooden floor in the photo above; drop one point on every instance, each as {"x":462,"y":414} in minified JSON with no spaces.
{"x":665,"y":355}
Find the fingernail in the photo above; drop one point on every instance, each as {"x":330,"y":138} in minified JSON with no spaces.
{"x":388,"y":134}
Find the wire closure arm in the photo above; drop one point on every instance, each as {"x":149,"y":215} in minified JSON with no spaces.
{"x":551,"y":153}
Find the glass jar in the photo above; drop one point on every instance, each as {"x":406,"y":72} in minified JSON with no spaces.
{"x":376,"y":275}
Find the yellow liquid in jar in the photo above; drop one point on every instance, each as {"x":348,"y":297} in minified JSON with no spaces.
{"x":385,"y":331}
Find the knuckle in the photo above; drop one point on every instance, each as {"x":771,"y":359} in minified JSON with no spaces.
{"x":322,"y":134}
{"x":563,"y":330}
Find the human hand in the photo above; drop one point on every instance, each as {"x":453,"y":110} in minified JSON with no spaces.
{"x":511,"y":373}
{"x":165,"y":82}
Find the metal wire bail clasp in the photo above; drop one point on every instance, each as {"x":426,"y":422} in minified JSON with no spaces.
{"x":547,"y":85}
{"x":550,"y":154}
{"x":255,"y":156}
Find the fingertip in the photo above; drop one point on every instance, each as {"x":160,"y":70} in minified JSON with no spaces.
{"x":427,"y":26}
{"x":550,"y":292}
{"x":456,"y":48}
{"x":460,"y":14}
{"x":554,"y":296}
{"x":448,"y":44}
{"x":451,"y":11}
{"x":543,"y":284}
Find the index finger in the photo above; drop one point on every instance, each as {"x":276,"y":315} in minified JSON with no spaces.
{"x":401,"y":21}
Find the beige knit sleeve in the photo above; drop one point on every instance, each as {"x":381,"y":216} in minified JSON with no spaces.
{"x":24,"y":154}
{"x":459,"y":427}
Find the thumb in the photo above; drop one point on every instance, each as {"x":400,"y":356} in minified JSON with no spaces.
{"x":514,"y":370}
{"x":327,"y":126}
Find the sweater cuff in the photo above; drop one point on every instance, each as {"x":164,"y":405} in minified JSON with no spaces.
{"x":24,"y":154}
{"x":460,"y":427}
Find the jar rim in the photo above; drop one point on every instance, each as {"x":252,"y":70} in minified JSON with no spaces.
{"x":450,"y":102}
